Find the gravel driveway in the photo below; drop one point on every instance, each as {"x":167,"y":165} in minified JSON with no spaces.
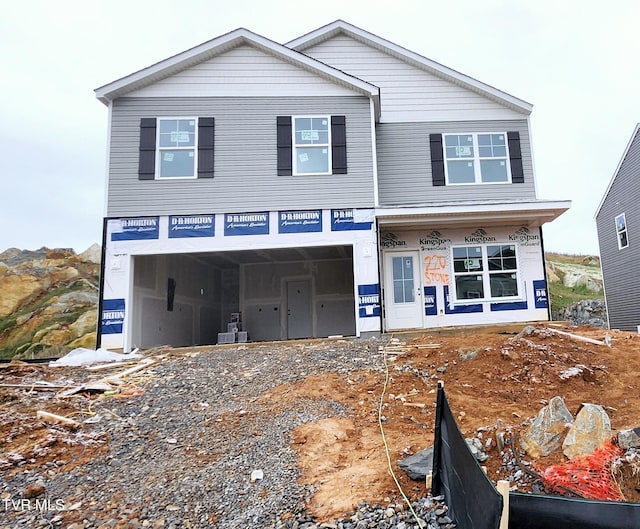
{"x":200,"y":449}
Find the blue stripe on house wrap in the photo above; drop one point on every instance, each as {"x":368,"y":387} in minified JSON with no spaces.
{"x":182,"y":226}
{"x":135,"y":229}
{"x":459,"y":309}
{"x":300,"y":221}
{"x":112,"y":318}
{"x":540,"y":294}
{"x":430,"y":301}
{"x":246,"y":223}
{"x":369,"y":301}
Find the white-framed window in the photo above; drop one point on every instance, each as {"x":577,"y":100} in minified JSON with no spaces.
{"x":476,"y":158}
{"x":177,"y":148}
{"x":311,"y":145}
{"x":621,"y":231}
{"x":485,"y":272}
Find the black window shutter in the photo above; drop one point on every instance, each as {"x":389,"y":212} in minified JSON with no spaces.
{"x":338,"y":145}
{"x":515,"y":157}
{"x":284,"y":144}
{"x":437,"y":159}
{"x":205,"y":147}
{"x":147,"y":160}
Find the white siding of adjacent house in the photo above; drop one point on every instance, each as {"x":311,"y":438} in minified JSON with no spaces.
{"x":243,"y":71}
{"x":408,"y":93}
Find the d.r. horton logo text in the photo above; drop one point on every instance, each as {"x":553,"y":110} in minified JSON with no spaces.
{"x":390,"y":240}
{"x":479,"y":236}
{"x":525,"y":237}
{"x":435,"y":238}
{"x":139,"y":225}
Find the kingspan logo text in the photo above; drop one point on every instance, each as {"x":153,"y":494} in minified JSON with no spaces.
{"x":524,"y":236}
{"x":390,"y":240}
{"x":435,"y":238}
{"x":479,"y":236}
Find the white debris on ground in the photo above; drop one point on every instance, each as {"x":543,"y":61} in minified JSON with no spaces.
{"x":82,"y":356}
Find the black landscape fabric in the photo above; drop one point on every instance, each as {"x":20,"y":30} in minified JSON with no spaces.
{"x":531,"y":511}
{"x":473,"y":501}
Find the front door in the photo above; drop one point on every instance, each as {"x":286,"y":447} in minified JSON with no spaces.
{"x":299,"y":316}
{"x":403,"y":302}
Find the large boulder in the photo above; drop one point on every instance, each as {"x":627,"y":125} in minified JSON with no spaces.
{"x":629,"y":438}
{"x":545,"y":434}
{"x":590,"y":430}
{"x":418,"y":465}
{"x":580,"y":279}
{"x":93,"y":254}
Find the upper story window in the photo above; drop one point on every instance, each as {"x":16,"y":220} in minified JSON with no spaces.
{"x":476,"y":158}
{"x":621,"y":230}
{"x":177,"y":143}
{"x":311,"y":145}
{"x":180,"y":147}
{"x":485,"y":272}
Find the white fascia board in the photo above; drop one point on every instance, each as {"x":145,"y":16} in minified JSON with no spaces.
{"x":374,"y":151}
{"x":540,"y":211}
{"x":107,"y":161}
{"x":220,"y":45}
{"x":615,"y":173}
{"x":444,"y":72}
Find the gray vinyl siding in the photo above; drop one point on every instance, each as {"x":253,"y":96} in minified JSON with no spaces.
{"x":404,"y":164}
{"x":245,"y":172}
{"x":235,"y":73}
{"x":409,"y":93}
{"x":620,"y":267}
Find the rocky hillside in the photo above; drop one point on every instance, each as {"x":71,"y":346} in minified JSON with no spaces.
{"x":49,"y":301}
{"x":575,"y":288}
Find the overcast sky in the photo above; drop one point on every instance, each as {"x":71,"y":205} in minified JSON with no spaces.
{"x":577,"y":62}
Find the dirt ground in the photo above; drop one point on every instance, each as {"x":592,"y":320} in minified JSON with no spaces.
{"x":492,"y":379}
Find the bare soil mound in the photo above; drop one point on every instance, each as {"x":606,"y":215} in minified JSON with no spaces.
{"x":492,"y":380}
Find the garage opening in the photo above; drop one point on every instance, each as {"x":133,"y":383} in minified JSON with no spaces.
{"x":285,"y":293}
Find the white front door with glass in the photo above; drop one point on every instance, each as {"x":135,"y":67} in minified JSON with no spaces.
{"x":403,"y":299}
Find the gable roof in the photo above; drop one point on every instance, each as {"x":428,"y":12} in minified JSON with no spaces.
{"x":615,"y":173}
{"x":341,"y":27}
{"x":219,"y":46}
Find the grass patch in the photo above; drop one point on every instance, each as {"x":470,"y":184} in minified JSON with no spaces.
{"x":8,"y":322}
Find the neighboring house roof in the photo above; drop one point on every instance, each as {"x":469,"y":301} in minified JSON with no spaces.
{"x":219,"y":46}
{"x":341,"y":27}
{"x":615,"y":173}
